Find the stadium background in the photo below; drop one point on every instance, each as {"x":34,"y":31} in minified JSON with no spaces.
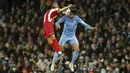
{"x":23,"y":48}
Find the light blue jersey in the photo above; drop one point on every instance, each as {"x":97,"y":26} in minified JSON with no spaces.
{"x":69,"y":30}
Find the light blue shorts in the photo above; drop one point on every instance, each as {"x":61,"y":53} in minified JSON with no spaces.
{"x":71,"y":39}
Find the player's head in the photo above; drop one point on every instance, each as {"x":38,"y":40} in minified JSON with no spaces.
{"x":55,"y":5}
{"x":73,"y":10}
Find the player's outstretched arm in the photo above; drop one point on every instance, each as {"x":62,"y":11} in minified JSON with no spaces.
{"x":65,"y":8}
{"x":83,"y":23}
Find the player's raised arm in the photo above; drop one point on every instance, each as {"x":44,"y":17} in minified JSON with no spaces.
{"x":65,"y":8}
{"x":83,"y":23}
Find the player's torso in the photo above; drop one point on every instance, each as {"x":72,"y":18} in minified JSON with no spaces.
{"x":70,"y":26}
{"x":50,"y":15}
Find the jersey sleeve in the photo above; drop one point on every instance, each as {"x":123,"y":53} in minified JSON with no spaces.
{"x":52,"y":14}
{"x":61,"y":20}
{"x":79,"y":20}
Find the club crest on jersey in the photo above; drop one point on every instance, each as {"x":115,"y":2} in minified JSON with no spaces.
{"x":75,"y":22}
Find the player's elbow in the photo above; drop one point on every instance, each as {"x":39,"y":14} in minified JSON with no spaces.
{"x":77,"y":50}
{"x":56,"y":23}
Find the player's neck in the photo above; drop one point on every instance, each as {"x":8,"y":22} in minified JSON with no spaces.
{"x":72,"y":16}
{"x":54,"y":8}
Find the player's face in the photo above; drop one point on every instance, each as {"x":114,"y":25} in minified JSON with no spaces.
{"x":55,"y":5}
{"x":71,"y":15}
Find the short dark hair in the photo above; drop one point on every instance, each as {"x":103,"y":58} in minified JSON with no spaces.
{"x":53,"y":3}
{"x":73,"y":10}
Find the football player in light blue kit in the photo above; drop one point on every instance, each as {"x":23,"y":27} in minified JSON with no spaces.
{"x":68,"y":35}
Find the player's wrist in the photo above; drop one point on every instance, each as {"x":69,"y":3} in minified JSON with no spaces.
{"x":69,"y":6}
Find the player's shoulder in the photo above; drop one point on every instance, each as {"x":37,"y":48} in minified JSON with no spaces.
{"x":64,"y":16}
{"x":76,"y":17}
{"x":54,"y":9}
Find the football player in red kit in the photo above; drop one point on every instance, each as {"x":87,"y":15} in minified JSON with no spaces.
{"x":48,"y":25}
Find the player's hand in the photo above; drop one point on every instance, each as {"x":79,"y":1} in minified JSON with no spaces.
{"x":70,"y":5}
{"x":58,"y":27}
{"x":94,"y":28}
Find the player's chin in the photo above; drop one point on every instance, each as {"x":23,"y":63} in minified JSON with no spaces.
{"x":93,"y":30}
{"x":56,"y":6}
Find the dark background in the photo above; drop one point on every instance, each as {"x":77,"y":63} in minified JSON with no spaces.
{"x":7,"y":4}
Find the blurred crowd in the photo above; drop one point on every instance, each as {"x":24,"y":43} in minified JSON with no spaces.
{"x":23,"y":48}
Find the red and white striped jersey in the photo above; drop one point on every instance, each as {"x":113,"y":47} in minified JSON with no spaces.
{"x":50,"y":15}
